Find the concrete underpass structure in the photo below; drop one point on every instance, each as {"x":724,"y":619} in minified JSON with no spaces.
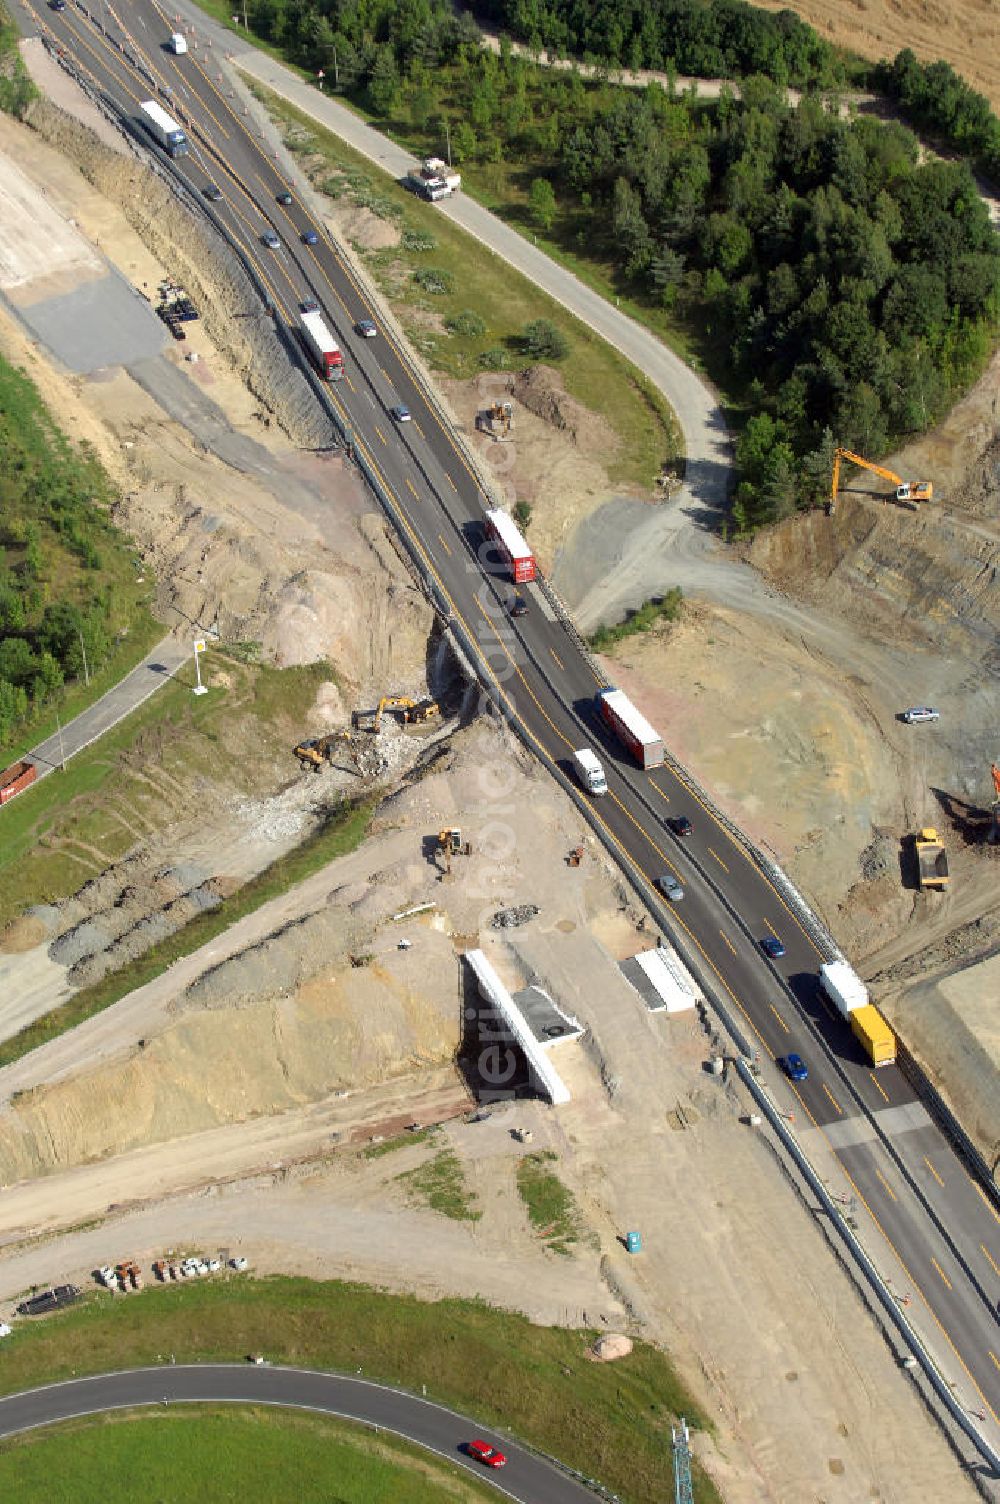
{"x":493,"y":992}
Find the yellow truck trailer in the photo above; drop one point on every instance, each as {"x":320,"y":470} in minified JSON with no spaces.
{"x":874,"y":1035}
{"x":932,"y":859}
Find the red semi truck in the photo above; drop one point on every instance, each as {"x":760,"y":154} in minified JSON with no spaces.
{"x":15,"y":779}
{"x":326,"y":354}
{"x":518,"y":556}
{"x":630,"y":727}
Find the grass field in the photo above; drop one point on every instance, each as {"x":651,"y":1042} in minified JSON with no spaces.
{"x":610,"y":1421}
{"x":215,"y":1455}
{"x":503,"y":300}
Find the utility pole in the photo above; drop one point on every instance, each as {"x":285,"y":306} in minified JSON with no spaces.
{"x":83,"y":650}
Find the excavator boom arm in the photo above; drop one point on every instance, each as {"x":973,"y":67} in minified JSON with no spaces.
{"x":856,"y":459}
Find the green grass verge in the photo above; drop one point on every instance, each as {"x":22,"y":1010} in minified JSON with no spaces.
{"x":343,"y":831}
{"x":648,"y":434}
{"x":610,"y":1421}
{"x":401,"y":1141}
{"x":210,"y":1455}
{"x":662,"y":608}
{"x":552,"y":1211}
{"x":441,"y":1184}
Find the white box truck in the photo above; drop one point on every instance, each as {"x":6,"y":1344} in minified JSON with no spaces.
{"x":163,"y":128}
{"x":589,"y":771}
{"x":178,"y":44}
{"x":843,"y":987}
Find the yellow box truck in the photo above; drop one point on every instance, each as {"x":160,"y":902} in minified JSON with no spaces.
{"x":874,"y":1035}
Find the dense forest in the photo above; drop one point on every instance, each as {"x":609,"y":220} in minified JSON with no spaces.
{"x":706,"y":38}
{"x":61,"y":606}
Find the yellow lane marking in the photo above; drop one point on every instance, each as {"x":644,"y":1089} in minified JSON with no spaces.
{"x":718,"y":859}
{"x":777,"y":1014}
{"x":885,"y":1184}
{"x":993,"y":1355}
{"x":350,"y":383}
{"x":940,"y":1271}
{"x":833,"y":1099}
{"x":559,"y":661}
{"x":380,"y":433}
{"x":934,"y":1172}
{"x":451,"y":482}
{"x":727,"y":941}
{"x":992,"y":1261}
{"x":654,"y":785}
{"x":986,"y":1200}
{"x":444,"y":544}
{"x":418,"y":428}
{"x":877,"y":1082}
{"x":412,"y":489}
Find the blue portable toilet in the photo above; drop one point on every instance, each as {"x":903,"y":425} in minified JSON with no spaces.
{"x":633,"y":1242}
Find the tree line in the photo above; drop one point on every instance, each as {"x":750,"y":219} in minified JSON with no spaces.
{"x":706,"y":38}
{"x":58,"y":602}
{"x":936,"y":100}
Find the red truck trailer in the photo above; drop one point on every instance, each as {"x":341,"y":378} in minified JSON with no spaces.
{"x":630,"y":727}
{"x":15,"y":779}
{"x":326,"y":354}
{"x":520,"y":560}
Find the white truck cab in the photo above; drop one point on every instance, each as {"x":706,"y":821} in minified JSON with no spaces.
{"x":589,"y":771}
{"x":178,"y":43}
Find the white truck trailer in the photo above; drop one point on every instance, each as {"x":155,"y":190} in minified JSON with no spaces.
{"x":163,"y":128}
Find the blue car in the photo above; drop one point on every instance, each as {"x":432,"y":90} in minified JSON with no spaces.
{"x":794,"y":1067}
{"x":772,"y":946}
{"x":309,"y":237}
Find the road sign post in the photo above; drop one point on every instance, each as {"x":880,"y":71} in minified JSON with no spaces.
{"x":199,"y":648}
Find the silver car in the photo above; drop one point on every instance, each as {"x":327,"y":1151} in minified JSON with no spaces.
{"x":920,"y":713}
{"x":670,"y":888}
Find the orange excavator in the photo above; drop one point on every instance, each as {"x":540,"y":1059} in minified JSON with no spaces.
{"x":906,"y":490}
{"x":995,"y":831}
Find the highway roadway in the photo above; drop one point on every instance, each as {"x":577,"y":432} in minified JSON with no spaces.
{"x":919,"y":1211}
{"x":526,"y":1476}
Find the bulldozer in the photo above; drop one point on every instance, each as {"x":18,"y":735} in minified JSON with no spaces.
{"x":412,"y":712}
{"x":449,"y":844}
{"x":320,"y":750}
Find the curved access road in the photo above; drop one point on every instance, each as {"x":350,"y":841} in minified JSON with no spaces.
{"x":526,"y":1477}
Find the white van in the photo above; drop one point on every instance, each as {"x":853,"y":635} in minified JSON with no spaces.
{"x":589,"y":771}
{"x":178,"y":43}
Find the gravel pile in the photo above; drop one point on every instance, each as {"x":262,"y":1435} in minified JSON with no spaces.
{"x":509,"y":919}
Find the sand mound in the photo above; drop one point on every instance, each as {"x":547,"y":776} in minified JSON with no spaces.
{"x":607,"y":1349}
{"x":22,"y":934}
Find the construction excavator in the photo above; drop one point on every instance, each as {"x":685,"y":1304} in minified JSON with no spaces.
{"x":412,"y":712}
{"x":449,"y":844}
{"x":907,"y":491}
{"x":320,"y":750}
{"x":995,"y":828}
{"x":496,"y":420}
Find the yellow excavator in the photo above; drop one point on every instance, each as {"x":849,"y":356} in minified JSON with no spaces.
{"x":412,"y":712}
{"x":320,"y":749}
{"x":906,"y":490}
{"x":449,"y":844}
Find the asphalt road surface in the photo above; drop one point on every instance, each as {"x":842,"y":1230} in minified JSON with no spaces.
{"x":159,"y":665}
{"x":918,"y":1211}
{"x":525,"y":1477}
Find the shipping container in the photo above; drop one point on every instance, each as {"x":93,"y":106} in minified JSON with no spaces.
{"x":631,"y":727}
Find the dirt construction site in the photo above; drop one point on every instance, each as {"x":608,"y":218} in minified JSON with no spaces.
{"x":257,"y":1095}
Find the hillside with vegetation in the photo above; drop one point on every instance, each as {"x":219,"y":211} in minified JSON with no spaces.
{"x":841,"y":286}
{"x":71,"y":605}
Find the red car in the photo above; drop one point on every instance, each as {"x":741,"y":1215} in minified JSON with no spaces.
{"x":483,"y":1452}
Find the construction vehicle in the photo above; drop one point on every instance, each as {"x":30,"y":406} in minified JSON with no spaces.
{"x":497,"y":420}
{"x":932,"y":860}
{"x":449,"y":844}
{"x":906,"y":490}
{"x":994,"y":836}
{"x":412,"y":712}
{"x":319,"y":749}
